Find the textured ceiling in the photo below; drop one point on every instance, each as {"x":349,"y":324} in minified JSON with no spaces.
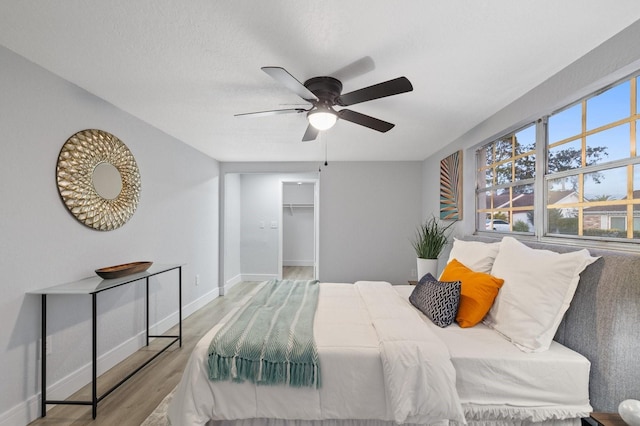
{"x":186,"y":67}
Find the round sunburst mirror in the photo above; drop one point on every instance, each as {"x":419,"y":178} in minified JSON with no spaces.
{"x":98,"y":179}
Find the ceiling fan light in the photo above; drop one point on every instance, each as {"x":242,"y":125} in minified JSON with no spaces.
{"x":321,"y":119}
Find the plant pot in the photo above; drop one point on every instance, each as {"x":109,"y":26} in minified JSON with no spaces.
{"x":427,"y":266}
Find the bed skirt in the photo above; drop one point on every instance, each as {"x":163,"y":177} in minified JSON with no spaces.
{"x":279,"y":422}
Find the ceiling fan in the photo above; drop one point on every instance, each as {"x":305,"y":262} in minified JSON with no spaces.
{"x":325,"y":93}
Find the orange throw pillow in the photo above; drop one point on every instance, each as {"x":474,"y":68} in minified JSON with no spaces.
{"x":477,"y":293}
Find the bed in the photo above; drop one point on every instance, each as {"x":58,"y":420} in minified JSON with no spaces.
{"x":477,"y":376}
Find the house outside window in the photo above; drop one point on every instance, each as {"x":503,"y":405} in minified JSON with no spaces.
{"x":590,"y":185}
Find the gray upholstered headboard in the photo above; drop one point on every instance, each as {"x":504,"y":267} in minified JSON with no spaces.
{"x":603,"y":323}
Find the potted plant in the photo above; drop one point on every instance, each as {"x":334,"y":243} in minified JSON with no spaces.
{"x":430,"y":239}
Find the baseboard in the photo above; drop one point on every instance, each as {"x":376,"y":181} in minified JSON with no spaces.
{"x":197,"y":304}
{"x":259,"y":277}
{"x":23,"y":413}
{"x":297,"y":263}
{"x":29,"y":410}
{"x":230,"y":283}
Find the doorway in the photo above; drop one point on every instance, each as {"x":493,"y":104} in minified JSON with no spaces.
{"x":299,"y":242}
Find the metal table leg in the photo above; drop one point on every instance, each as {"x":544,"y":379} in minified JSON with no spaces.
{"x":43,"y":356}
{"x":180,"y":305}
{"x":147,"y":309}
{"x":94,"y":373}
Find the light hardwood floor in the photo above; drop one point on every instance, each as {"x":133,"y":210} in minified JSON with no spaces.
{"x":132,"y":402}
{"x":297,"y":272}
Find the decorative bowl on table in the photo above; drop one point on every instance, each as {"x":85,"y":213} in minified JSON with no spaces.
{"x":629,"y":410}
{"x":123,"y":270}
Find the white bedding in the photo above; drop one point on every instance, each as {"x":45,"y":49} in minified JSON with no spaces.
{"x":353,"y":371}
{"x":495,"y":381}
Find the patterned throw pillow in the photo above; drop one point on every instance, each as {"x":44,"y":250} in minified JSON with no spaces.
{"x":437,"y":300}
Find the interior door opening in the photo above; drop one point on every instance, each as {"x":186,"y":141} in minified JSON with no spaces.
{"x":299,"y":230}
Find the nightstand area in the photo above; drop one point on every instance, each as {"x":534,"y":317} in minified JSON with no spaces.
{"x":603,"y":419}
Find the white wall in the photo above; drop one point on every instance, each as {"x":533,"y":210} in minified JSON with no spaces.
{"x":42,"y":244}
{"x":368,"y":215}
{"x":611,"y":61}
{"x":261,"y":199}
{"x":232,"y":230}
{"x":259,"y":239}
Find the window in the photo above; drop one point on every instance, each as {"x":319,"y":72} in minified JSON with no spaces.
{"x":590,"y":185}
{"x":506,"y":170}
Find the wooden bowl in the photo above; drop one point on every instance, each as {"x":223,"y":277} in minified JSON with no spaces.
{"x":123,"y":270}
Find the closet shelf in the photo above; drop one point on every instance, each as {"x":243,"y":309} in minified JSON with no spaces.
{"x":292,"y":206}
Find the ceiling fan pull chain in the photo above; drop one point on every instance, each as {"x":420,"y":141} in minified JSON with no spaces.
{"x":325,"y":151}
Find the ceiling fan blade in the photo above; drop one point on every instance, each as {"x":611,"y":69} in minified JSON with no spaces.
{"x":365,"y":120}
{"x":311,"y":134}
{"x":355,"y":69}
{"x":272,"y":112}
{"x":380,"y":90}
{"x":283,"y":77}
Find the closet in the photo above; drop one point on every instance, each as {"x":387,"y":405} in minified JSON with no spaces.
{"x":298,"y":226}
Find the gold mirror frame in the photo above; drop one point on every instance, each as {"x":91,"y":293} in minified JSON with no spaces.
{"x":78,"y":158}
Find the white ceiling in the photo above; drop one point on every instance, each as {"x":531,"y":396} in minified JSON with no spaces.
{"x":186,"y":67}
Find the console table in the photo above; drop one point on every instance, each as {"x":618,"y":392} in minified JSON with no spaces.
{"x":93,"y":286}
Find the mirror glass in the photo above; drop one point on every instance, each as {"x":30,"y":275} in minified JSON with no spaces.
{"x":107,"y":181}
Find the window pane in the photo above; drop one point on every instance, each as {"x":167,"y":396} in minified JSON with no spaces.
{"x":501,"y":199}
{"x":524,"y":190}
{"x":606,"y":184}
{"x":504,"y":173}
{"x":561,"y":221}
{"x":504,"y":162}
{"x":593,"y":220}
{"x":618,"y":223}
{"x":565,"y":157}
{"x":498,"y":221}
{"x":565,"y":124}
{"x":503,"y":149}
{"x":605,"y":224}
{"x":525,"y":167}
{"x":609,"y":106}
{"x":637,"y":95}
{"x":526,"y":140}
{"x":486,"y":155}
{"x":523,"y":221}
{"x":636,"y":180}
{"x":486,"y":178}
{"x":637,"y":137}
{"x":609,"y":145}
{"x":563,"y":190}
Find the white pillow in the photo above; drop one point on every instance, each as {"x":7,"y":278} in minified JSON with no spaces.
{"x":538,"y":288}
{"x":475,"y":255}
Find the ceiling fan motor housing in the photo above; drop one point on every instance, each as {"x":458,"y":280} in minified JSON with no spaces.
{"x":327,"y":89}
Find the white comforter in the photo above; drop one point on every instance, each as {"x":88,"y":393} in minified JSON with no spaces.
{"x":373,"y":367}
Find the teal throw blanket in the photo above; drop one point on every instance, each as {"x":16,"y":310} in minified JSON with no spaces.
{"x":270,"y":340}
